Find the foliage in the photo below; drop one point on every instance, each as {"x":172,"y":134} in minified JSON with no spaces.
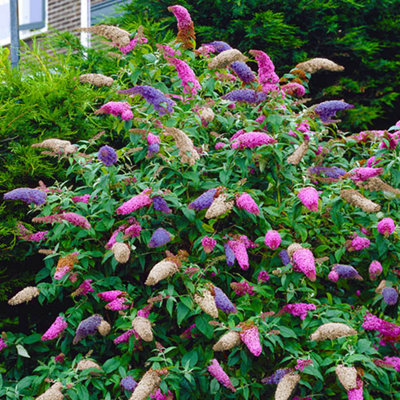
{"x":28,"y":363}
{"x":363,"y":36}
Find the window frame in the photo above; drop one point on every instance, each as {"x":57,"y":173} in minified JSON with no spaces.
{"x":36,"y":25}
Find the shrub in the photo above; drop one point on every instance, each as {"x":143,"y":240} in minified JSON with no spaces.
{"x":154,"y":256}
{"x":362,"y":36}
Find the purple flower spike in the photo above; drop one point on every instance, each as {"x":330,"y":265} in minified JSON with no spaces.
{"x":160,"y":204}
{"x":219,"y":46}
{"x":390,"y":296}
{"x":245,"y":96}
{"x":276,"y":377}
{"x":328,"y":172}
{"x":346,"y":272}
{"x":284,"y":255}
{"x":87,"y":327}
{"x":243,"y":71}
{"x":203,"y":201}
{"x":27,"y":195}
{"x":222,"y":301}
{"x":327,"y":109}
{"x":230,"y":255}
{"x":107,"y":155}
{"x":159,"y":238}
{"x":128,"y":383}
{"x":153,"y":96}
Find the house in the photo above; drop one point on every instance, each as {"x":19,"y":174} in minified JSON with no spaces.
{"x":40,"y":16}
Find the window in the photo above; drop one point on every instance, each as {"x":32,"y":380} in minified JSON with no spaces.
{"x":32,"y":16}
{"x":106,"y":8}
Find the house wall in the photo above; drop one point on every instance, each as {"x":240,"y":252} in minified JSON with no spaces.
{"x":64,"y":15}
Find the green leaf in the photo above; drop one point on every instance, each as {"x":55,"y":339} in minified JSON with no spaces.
{"x":182,"y":311}
{"x":203,"y":326}
{"x":111,"y":365}
{"x":190,"y":358}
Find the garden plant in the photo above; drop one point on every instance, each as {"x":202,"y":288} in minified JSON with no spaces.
{"x":236,"y":244}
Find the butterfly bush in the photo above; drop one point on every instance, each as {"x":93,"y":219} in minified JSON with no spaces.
{"x":186,"y":75}
{"x":27,"y":195}
{"x":272,"y":239}
{"x":153,"y":96}
{"x":107,"y":155}
{"x":191,"y":256}
{"x":118,"y":109}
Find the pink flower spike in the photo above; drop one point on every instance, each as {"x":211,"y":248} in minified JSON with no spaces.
{"x":272,"y":239}
{"x":357,"y":393}
{"x":386,"y":226}
{"x":85,"y":287}
{"x":239,"y":250}
{"x":266,"y":68}
{"x":55,"y":330}
{"x":375,"y":269}
{"x":110,"y":295}
{"x":3,"y":344}
{"x":362,"y":174}
{"x":360,"y":243}
{"x":309,"y":197}
{"x":208,"y":244}
{"x":263,"y":276}
{"x":117,"y":304}
{"x":124,"y":338}
{"x":250,"y":337}
{"x":76,"y":219}
{"x":219,"y":145}
{"x":298,"y":309}
{"x":246,"y":202}
{"x":81,"y":199}
{"x":219,"y":374}
{"x":303,"y":261}
{"x":186,"y":75}
{"x":251,"y":140}
{"x":117,"y":108}
{"x":135,"y":203}
{"x":333,"y":276}
{"x":301,"y":364}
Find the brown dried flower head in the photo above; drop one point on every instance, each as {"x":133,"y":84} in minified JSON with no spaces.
{"x":67,"y":261}
{"x":381,"y":286}
{"x":376,"y":184}
{"x":206,"y":114}
{"x":298,"y":154}
{"x":104,"y":328}
{"x":24,"y":296}
{"x":286,"y":386}
{"x":300,"y":73}
{"x":227,"y":341}
{"x":58,"y":146}
{"x":118,"y":36}
{"x":187,"y":152}
{"x":142,"y":327}
{"x":121,"y":252}
{"x":148,"y":384}
{"x":226,"y":58}
{"x":207,"y":303}
{"x":357,"y":199}
{"x":98,"y":80}
{"x":45,"y":251}
{"x":86,"y":364}
{"x":347,"y":376}
{"x":332,"y":330}
{"x":318,"y":64}
{"x":219,"y":206}
{"x":162,"y":270}
{"x":53,"y":393}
